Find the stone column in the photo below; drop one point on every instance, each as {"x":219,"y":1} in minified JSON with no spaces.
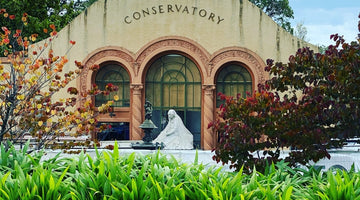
{"x":136,"y":107}
{"x":209,"y":139}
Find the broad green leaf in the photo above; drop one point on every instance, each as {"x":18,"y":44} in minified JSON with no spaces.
{"x":196,"y":158}
{"x":287,"y":194}
{"x":4,"y":178}
{"x":134,"y":188}
{"x":4,"y":193}
{"x":116,"y":151}
{"x":61,"y":177}
{"x":51,"y":183}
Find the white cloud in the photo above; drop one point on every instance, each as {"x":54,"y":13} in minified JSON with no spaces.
{"x":324,"y":21}
{"x":320,"y":34}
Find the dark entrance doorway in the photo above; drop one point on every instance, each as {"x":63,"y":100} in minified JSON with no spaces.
{"x":173,"y":81}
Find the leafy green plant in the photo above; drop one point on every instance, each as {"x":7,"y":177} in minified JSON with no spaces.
{"x":20,"y":157}
{"x":110,"y":175}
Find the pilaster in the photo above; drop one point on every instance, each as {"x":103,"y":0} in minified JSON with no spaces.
{"x":136,"y":132}
{"x":209,"y":139}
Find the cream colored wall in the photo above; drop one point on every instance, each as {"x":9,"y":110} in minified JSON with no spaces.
{"x":244,"y":25}
{"x":241,"y":24}
{"x":226,"y":29}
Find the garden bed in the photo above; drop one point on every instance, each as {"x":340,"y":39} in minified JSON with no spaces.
{"x":110,"y":175}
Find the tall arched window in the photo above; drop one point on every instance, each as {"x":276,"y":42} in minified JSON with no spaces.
{"x":173,"y":82}
{"x":116,"y":75}
{"x":232,"y":80}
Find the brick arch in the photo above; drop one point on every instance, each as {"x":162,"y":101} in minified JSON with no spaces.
{"x":102,"y":55}
{"x":252,"y":62}
{"x":162,"y":45}
{"x":179,"y":45}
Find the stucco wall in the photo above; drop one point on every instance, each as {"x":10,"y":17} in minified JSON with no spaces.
{"x":210,"y":32}
{"x":213,"y":24}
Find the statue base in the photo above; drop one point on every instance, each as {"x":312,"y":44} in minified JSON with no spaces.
{"x":147,"y":146}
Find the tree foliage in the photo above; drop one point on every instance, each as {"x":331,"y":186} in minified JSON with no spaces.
{"x":301,"y":31}
{"x":279,"y":10}
{"x":309,"y":105}
{"x":30,"y":79}
{"x":41,"y":13}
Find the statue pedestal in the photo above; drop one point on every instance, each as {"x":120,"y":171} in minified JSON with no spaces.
{"x":147,"y":145}
{"x":147,"y":126}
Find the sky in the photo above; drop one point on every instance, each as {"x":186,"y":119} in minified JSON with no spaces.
{"x":325,"y":17}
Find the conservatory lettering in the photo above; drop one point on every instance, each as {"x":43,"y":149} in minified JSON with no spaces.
{"x":173,"y":8}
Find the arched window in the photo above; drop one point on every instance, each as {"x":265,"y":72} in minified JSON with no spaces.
{"x":232,"y":80}
{"x":116,"y":75}
{"x":173,"y":82}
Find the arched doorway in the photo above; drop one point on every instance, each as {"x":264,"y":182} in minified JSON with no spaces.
{"x":173,"y":81}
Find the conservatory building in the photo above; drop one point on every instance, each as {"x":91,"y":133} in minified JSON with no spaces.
{"x":175,"y":54}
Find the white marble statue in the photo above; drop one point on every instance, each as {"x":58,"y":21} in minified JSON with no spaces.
{"x":175,"y":135}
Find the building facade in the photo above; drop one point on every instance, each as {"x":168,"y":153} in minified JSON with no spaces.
{"x":176,"y":54}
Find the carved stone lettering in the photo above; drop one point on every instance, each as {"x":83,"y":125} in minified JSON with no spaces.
{"x":173,"y":8}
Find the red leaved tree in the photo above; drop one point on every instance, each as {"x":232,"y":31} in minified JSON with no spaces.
{"x":311,"y":104}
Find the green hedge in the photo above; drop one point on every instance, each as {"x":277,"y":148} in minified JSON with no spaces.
{"x":156,"y":176}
